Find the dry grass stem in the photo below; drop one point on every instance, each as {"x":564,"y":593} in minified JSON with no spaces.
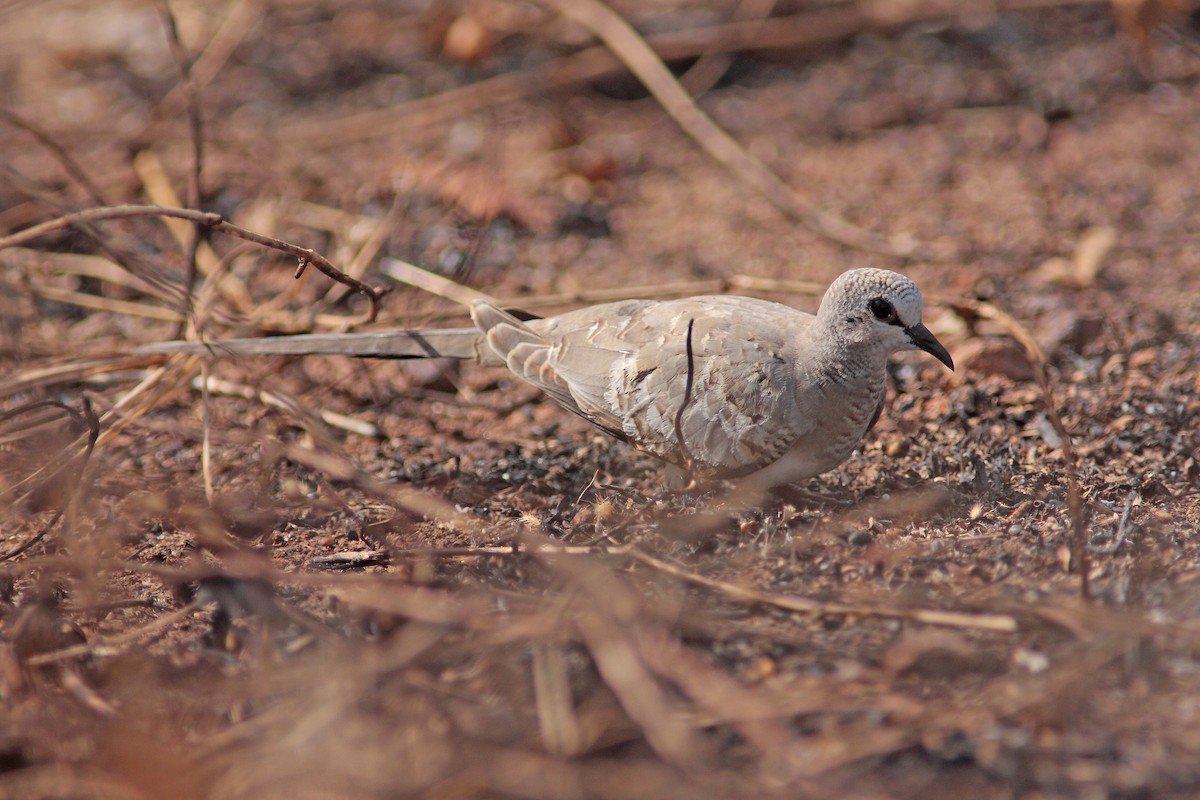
{"x":436,"y":285}
{"x":286,"y":402}
{"x":1001,"y":623}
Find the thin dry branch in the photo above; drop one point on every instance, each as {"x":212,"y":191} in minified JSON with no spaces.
{"x":191,"y":95}
{"x":155,"y":282}
{"x":196,"y":167}
{"x":211,"y":220}
{"x":1001,"y":623}
{"x":113,"y":645}
{"x":240,"y":20}
{"x":68,"y":163}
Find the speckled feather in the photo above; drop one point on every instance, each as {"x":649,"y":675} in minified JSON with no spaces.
{"x":773,"y":387}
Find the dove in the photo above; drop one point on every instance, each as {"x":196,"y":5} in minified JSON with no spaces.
{"x":724,"y":387}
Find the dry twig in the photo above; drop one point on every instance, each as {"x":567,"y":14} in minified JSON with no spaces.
{"x":1001,"y":623}
{"x":113,"y":645}
{"x":282,"y":400}
{"x":211,"y":220}
{"x":65,"y":159}
{"x":196,"y":168}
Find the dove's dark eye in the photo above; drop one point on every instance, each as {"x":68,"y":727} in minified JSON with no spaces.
{"x":883,"y":310}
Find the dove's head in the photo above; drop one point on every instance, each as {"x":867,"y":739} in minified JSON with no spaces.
{"x":880,"y":311}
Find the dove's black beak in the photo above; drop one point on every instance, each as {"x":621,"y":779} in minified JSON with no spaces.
{"x":922,"y":339}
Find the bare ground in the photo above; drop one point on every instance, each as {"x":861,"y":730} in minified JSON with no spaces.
{"x":455,"y":590}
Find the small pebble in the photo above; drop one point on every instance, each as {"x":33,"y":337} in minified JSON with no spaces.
{"x":860,"y":538}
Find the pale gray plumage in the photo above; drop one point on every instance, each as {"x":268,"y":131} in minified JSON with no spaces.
{"x":777,"y":394}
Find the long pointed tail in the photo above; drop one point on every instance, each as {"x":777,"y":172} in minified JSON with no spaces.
{"x":452,"y":343}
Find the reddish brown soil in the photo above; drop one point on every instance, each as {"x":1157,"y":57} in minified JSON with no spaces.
{"x":155,"y":644}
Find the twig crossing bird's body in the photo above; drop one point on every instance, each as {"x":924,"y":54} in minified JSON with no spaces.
{"x":756,"y":389}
